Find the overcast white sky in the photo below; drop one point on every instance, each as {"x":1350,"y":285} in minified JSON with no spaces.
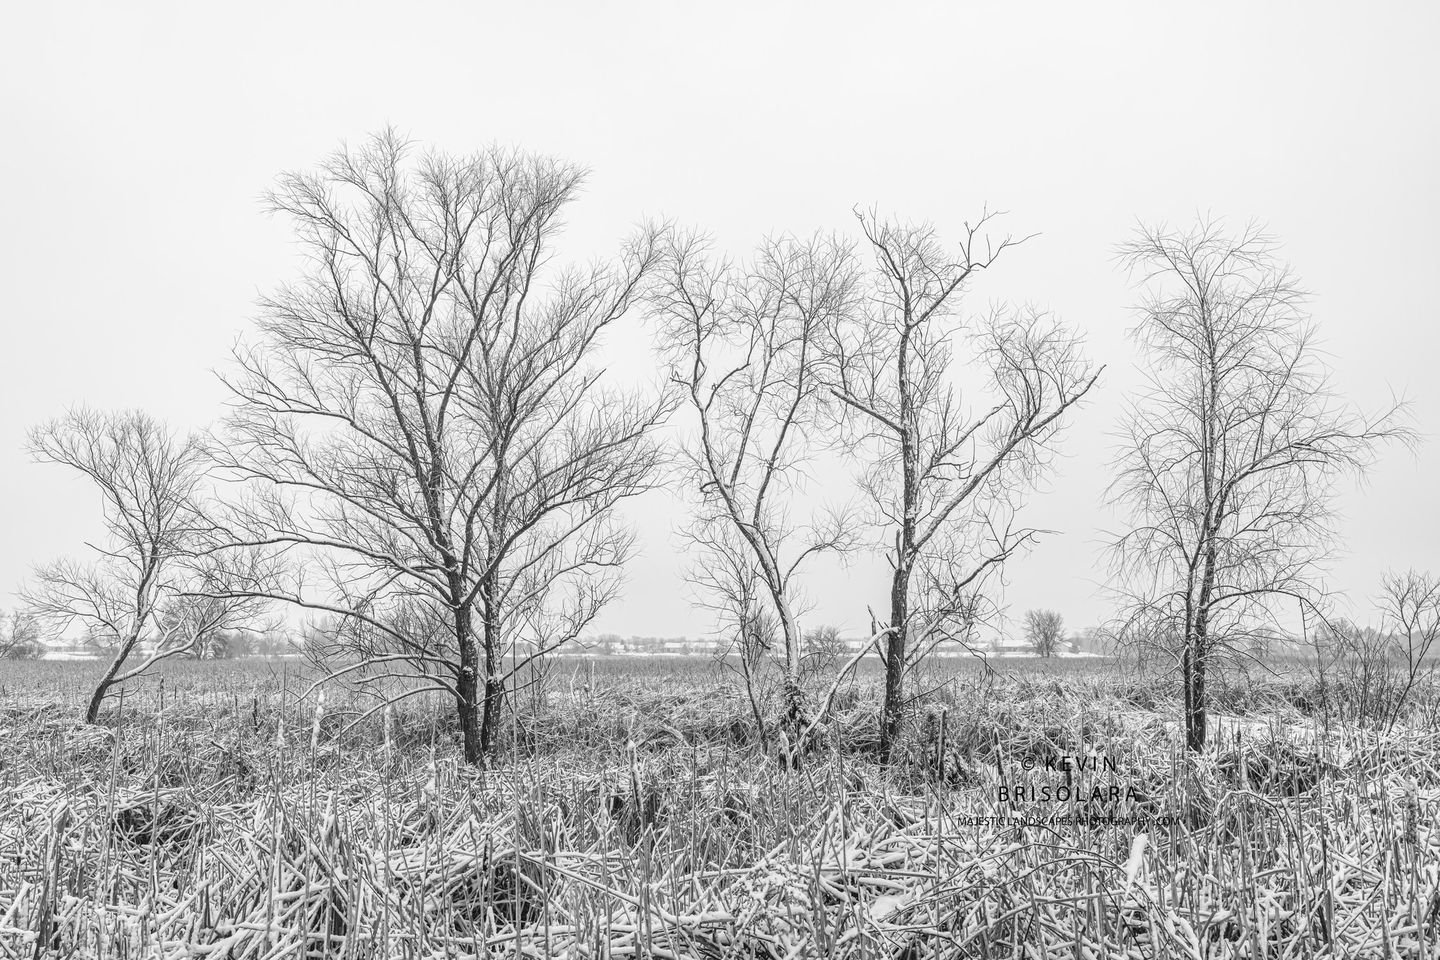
{"x":137,"y":138}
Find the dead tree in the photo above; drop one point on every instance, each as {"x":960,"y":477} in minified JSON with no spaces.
{"x":745,"y":346}
{"x":420,"y":424}
{"x":1044,"y":630}
{"x":1230,"y":452}
{"x":144,"y":598}
{"x":948,"y":466}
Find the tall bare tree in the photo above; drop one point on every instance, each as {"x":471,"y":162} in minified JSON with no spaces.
{"x":1044,"y":630}
{"x":146,"y":596}
{"x":420,"y":420}
{"x":745,"y":342}
{"x":947,"y":466}
{"x":1230,"y":452}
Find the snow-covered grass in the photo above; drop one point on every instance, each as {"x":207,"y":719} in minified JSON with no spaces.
{"x":634,"y":813}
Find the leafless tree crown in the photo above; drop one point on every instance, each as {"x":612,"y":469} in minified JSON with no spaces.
{"x":421,"y":420}
{"x":1230,"y":454}
{"x":1044,"y":631}
{"x":154,"y":588}
{"x":745,"y":345}
{"x":948,"y":462}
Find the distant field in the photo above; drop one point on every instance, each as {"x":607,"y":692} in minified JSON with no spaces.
{"x":67,"y":681}
{"x":635,"y":814}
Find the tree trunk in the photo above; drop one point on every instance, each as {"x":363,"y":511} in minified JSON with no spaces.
{"x":494,"y":698}
{"x":92,"y":710}
{"x":1197,"y":644}
{"x":467,"y":701}
{"x":892,"y":713}
{"x":1193,"y":671}
{"x":797,"y":716}
{"x":494,"y":687}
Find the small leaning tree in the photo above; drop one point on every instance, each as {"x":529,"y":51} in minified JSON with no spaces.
{"x":421,"y":423}
{"x":1229,"y":454}
{"x":156,"y":587}
{"x":949,"y":457}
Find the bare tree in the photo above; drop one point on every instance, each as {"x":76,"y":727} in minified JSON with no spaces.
{"x":1230,"y":452}
{"x":747,"y":629}
{"x":823,"y":648}
{"x":1384,"y":665}
{"x":947,"y":467}
{"x":420,"y":422}
{"x":143,"y":598}
{"x":1412,"y":610}
{"x":20,"y":636}
{"x":1044,"y":630}
{"x":745,"y":346}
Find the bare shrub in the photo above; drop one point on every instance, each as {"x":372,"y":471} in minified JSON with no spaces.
{"x":823,"y":650}
{"x":1371,"y":674}
{"x":20,"y":636}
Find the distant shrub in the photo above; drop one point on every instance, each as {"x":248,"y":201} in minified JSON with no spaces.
{"x":20,"y":636}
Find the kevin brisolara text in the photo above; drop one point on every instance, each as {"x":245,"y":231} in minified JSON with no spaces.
{"x":1063,"y":820}
{"x":1064,"y":793}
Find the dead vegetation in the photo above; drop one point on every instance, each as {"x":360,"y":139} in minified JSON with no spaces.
{"x":635,"y":815}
